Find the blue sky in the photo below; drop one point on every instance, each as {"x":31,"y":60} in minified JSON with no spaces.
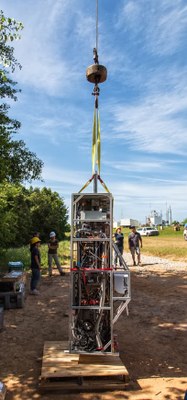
{"x":143,"y":103}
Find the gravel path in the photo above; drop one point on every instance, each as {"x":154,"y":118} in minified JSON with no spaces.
{"x":157,"y":261}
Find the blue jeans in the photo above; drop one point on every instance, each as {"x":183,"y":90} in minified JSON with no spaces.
{"x":116,"y":256}
{"x":54,"y":257}
{"x":35,"y":277}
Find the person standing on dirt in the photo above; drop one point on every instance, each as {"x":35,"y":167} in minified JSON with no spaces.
{"x":135,"y":241}
{"x":52,"y":254}
{"x":35,"y":264}
{"x":185,"y":232}
{"x":118,"y":239}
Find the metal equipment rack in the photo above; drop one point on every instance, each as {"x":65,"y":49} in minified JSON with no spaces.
{"x":98,"y":295}
{"x":95,"y":285}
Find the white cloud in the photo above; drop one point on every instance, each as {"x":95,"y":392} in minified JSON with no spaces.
{"x":136,"y":166}
{"x":43,"y":49}
{"x":56,"y":122}
{"x":136,"y":200}
{"x":143,"y":105}
{"x":129,"y":14}
{"x":162,"y":24}
{"x":169,"y":28}
{"x":152,"y":125}
{"x":85,"y":28}
{"x":65,"y":176}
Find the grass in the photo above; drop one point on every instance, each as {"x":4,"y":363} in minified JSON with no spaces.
{"x":23,"y":254}
{"x":172,"y":248}
{"x":169,"y":244}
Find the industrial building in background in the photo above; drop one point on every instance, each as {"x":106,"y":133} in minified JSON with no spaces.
{"x":154,"y":219}
{"x":127,"y":222}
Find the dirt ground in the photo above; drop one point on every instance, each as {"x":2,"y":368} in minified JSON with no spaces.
{"x":152,"y":339}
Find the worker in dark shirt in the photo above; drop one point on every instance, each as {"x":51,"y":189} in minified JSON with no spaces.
{"x":35,"y":264}
{"x":118,"y":239}
{"x":135,"y":241}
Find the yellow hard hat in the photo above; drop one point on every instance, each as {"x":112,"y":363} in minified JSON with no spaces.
{"x":35,"y":240}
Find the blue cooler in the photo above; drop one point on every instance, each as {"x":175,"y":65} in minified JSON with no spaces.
{"x":15,"y":266}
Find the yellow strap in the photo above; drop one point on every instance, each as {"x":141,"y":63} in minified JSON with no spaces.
{"x":91,"y":179}
{"x":94,"y":138}
{"x":98,"y":143}
{"x":86,"y":184}
{"x":104,"y":185}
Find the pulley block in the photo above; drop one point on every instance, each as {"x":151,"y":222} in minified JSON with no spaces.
{"x":96,"y":73}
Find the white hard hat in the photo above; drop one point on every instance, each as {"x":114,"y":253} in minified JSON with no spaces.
{"x":52,"y":234}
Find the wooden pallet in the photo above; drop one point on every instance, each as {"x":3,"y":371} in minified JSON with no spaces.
{"x":80,"y":372}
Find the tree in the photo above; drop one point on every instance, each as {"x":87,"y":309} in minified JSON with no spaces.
{"x":14,"y":215}
{"x":17,"y":163}
{"x":48,"y":213}
{"x":24,"y":211}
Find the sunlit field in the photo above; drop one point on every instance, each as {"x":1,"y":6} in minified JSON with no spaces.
{"x":169,"y":244}
{"x":23,"y":254}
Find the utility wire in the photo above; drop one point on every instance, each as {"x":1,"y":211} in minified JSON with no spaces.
{"x":96,"y":26}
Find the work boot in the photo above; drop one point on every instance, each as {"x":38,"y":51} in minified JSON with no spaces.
{"x":35,"y":292}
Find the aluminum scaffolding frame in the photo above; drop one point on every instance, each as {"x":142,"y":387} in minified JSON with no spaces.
{"x":96,"y":288}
